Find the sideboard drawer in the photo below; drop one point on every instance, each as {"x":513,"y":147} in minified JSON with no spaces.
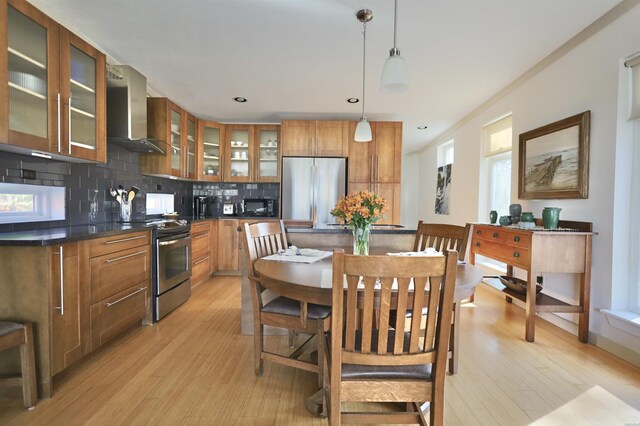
{"x":516,"y":256}
{"x":512,"y":237}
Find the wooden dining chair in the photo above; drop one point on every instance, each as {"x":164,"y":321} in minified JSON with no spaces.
{"x":15,"y":334}
{"x":264,"y":239}
{"x":372,"y":361}
{"x":444,"y":237}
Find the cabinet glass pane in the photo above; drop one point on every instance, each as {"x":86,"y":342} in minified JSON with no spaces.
{"x":27,"y":42}
{"x":82,"y":99}
{"x":176,"y":139}
{"x":268,"y":142}
{"x":239,"y":152}
{"x":211,"y":155}
{"x":191,"y":147}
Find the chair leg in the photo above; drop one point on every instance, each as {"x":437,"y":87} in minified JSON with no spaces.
{"x":454,"y":339}
{"x":258,"y":347}
{"x":28,"y":367}
{"x":320,"y":347}
{"x":436,"y":412}
{"x":292,"y":339}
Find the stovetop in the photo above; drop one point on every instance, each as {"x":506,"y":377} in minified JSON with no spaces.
{"x":166,"y":226}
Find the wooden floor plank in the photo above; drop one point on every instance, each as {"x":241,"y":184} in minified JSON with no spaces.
{"x":195,"y":368}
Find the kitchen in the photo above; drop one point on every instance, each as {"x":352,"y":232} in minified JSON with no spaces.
{"x":123,"y":168}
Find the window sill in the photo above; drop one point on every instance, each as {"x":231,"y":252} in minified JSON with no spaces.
{"x":623,"y":320}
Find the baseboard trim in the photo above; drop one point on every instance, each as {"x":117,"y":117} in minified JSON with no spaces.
{"x":616,"y":349}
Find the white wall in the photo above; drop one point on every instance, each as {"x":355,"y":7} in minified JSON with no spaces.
{"x":586,"y":78}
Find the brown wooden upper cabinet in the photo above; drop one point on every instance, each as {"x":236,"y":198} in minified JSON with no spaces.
{"x":239,"y":153}
{"x":267,"y":153}
{"x":380,"y":160}
{"x":211,"y":140}
{"x":54,"y":100}
{"x":314,"y":138}
{"x":171,"y":124}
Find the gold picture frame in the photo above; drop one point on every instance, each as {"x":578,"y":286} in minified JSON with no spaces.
{"x":554,"y":160}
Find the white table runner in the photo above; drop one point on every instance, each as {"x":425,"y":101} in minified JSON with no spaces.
{"x":305,"y":256}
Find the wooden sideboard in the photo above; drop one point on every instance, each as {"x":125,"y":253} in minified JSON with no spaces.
{"x":538,"y":251}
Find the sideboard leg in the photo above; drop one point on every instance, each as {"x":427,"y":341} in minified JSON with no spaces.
{"x":585,"y":294}
{"x":530,"y":307}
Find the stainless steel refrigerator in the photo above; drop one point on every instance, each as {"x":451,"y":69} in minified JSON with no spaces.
{"x":311,"y":187}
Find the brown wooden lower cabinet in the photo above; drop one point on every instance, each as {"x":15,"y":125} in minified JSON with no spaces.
{"x":388,"y":191}
{"x":79,"y":295}
{"x":228,"y":245}
{"x":66,"y":334}
{"x":115,"y":314}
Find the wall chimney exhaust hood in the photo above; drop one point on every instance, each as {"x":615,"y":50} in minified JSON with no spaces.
{"x":127,"y":110}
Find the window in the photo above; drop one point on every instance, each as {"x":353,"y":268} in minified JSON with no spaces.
{"x":159,"y":203}
{"x":633,"y":63}
{"x":445,"y":154}
{"x":31,"y":203}
{"x":497,"y":144}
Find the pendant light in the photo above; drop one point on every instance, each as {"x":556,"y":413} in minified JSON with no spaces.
{"x":363,"y":129}
{"x":395,"y":76}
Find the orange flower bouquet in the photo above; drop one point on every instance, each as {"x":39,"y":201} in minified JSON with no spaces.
{"x":359,"y":210}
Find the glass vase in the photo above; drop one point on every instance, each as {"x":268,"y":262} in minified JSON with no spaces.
{"x":361,"y":240}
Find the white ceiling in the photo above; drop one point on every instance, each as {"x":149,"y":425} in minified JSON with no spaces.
{"x":301,"y":59}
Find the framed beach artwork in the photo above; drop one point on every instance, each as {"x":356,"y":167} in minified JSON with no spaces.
{"x":554,"y":160}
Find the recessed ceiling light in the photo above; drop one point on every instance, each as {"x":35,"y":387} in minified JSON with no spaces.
{"x":353,"y":100}
{"x":422,"y":127}
{"x":240,"y":99}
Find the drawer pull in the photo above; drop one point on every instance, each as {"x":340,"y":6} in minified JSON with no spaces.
{"x":126,"y":297}
{"x":479,"y":232}
{"x":124,"y":257}
{"x":200,"y":261}
{"x":516,"y":239}
{"x":200,"y":236}
{"x":125,"y":239}
{"x":516,"y":254}
{"x":495,"y":235}
{"x":477,"y":243}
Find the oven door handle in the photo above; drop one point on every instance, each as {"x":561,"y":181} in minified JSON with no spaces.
{"x":168,"y":243}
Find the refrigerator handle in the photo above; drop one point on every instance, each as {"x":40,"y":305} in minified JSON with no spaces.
{"x":314,"y":176}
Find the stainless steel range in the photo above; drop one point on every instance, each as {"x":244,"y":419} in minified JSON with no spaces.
{"x":172,"y":266}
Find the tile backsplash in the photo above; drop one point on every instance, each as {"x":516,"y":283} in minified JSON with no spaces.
{"x":82,"y":179}
{"x":122,"y":168}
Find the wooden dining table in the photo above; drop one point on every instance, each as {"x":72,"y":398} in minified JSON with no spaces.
{"x":311,"y":282}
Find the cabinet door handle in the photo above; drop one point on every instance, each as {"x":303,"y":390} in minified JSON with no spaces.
{"x":377,"y":168}
{"x":59,"y":123}
{"x":371,"y":175}
{"x":69,"y":112}
{"x":495,"y":235}
{"x":126,"y":297}
{"x":61,"y":307}
{"x":200,"y":236}
{"x":516,"y":239}
{"x":125,"y":239}
{"x":516,"y":254}
{"x":126,"y":256}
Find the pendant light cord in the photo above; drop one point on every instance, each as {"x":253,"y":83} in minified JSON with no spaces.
{"x":395,"y":25}
{"x":364,"y":61}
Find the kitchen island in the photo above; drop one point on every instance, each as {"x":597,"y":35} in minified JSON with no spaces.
{"x":325,"y":237}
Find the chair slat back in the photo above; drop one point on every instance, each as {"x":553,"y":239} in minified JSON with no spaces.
{"x":442,"y":237}
{"x":367,"y":288}
{"x":263,"y":239}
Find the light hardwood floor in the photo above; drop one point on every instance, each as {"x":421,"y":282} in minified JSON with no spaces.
{"x":194,"y":367}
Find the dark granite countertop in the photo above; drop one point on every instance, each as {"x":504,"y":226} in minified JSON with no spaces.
{"x":45,"y":237}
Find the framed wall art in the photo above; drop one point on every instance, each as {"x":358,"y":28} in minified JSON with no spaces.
{"x":554,"y":160}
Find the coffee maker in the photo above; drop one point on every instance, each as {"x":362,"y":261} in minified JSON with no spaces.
{"x":200,"y":206}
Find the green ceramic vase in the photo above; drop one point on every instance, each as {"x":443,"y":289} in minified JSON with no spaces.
{"x":550,"y":217}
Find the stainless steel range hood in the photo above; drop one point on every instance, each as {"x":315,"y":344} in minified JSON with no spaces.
{"x":127,"y":110}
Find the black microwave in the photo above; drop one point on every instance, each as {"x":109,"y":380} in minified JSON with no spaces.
{"x":258,"y":207}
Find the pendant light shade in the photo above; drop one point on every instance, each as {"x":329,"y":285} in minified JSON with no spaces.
{"x":395,"y":75}
{"x":363,"y":129}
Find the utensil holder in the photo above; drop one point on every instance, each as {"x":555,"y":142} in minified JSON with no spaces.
{"x":125,"y":211}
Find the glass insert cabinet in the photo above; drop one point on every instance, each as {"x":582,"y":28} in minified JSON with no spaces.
{"x":239,"y":149}
{"x":55,"y":86}
{"x":211,"y":140}
{"x":267,"y":153}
